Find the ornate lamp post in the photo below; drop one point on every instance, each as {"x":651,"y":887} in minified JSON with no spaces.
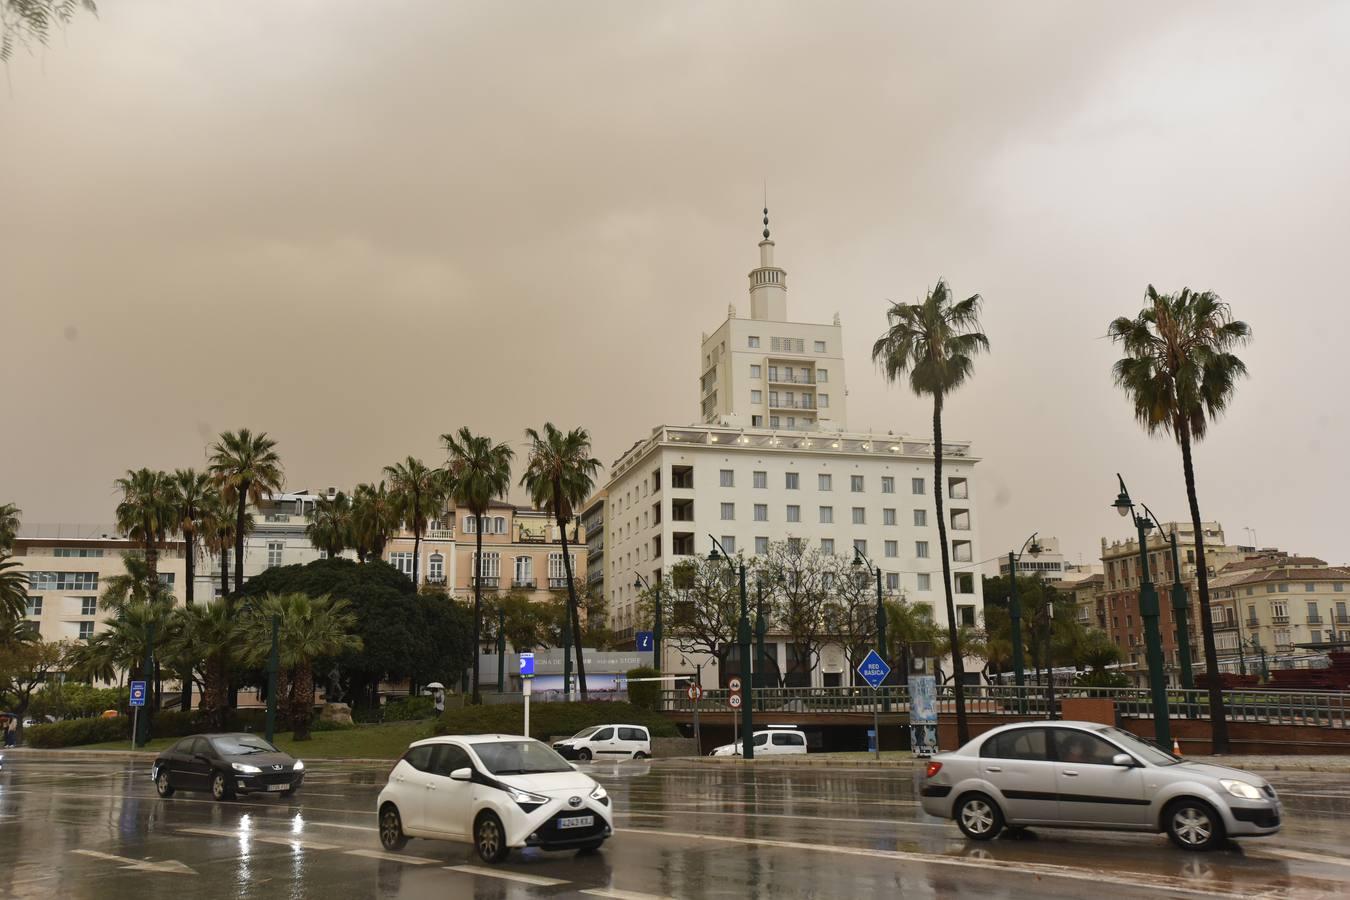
{"x":860,"y":559}
{"x":1148,"y":610}
{"x":1032,"y":546}
{"x":743,"y":643}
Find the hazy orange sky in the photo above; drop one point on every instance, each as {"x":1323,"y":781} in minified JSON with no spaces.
{"x":360,"y":225}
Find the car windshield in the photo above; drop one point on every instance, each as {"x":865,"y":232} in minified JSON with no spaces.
{"x":585,"y":732}
{"x":1150,"y":752}
{"x":520,"y":758}
{"x":242,"y":745}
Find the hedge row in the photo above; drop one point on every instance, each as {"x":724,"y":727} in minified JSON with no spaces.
{"x":76,"y":732}
{"x":550,"y":719}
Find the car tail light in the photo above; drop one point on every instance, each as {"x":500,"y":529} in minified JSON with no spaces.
{"x":933,"y":769}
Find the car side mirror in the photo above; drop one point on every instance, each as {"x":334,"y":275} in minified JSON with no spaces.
{"x":464,"y":774}
{"x":1123,"y":759}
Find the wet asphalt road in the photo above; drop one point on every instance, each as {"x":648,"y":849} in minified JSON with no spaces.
{"x":684,"y":829}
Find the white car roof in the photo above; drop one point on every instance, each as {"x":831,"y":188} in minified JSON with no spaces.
{"x":471,"y":739}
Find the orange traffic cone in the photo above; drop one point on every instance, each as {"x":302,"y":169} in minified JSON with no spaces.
{"x":1176,"y":747}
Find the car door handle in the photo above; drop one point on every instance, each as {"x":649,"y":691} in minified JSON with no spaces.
{"x":1069,"y":774}
{"x":993,"y":768}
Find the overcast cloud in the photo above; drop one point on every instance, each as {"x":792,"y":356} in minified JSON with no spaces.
{"x":360,"y":225}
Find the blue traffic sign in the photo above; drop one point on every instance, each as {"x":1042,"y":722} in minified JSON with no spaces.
{"x":646,"y":641}
{"x":873,"y":669}
{"x":138,"y":693}
{"x":527,"y":665}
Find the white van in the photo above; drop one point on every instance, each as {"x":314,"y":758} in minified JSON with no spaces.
{"x":774,"y":742}
{"x":607,"y":742}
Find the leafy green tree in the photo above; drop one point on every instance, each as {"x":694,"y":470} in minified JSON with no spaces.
{"x":311,"y":629}
{"x":24,"y":668}
{"x":75,"y":700}
{"x":419,"y":493}
{"x":23,"y":22}
{"x":244,"y":466}
{"x":13,"y":595}
{"x":374,"y":518}
{"x":9,"y":526}
{"x":527,"y":625}
{"x":701,"y":602}
{"x":559,"y":475}
{"x":908,"y":624}
{"x":1179,"y":372}
{"x":1097,"y":651}
{"x":480,"y":471}
{"x":798,"y":586}
{"x":330,"y":524}
{"x":200,"y":640}
{"x":146,"y":512}
{"x":934,"y":344}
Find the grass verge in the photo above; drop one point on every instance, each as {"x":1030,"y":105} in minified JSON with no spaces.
{"x":362,"y":742}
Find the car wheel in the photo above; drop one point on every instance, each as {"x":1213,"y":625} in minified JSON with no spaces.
{"x":588,"y":849}
{"x":391,"y":828}
{"x":639,"y":755}
{"x":979,"y":817}
{"x":489,"y":838}
{"x":162,"y":783}
{"x":1193,"y":825}
{"x":222,"y":788}
{"x":584,"y":755}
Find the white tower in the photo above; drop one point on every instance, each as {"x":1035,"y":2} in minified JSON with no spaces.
{"x":768,"y":283}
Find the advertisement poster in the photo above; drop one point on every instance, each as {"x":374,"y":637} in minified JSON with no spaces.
{"x":923,"y":715}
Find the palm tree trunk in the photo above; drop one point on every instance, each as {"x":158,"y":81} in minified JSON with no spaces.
{"x":213,"y":693}
{"x":240,"y":515}
{"x":1218,"y":719}
{"x":302,"y":708}
{"x":572,"y":610}
{"x":958,"y":667}
{"x":417,"y":540}
{"x":224,"y":572}
{"x":477,"y":602}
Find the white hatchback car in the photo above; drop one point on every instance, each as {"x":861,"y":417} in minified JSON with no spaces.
{"x":607,"y":742}
{"x":495,"y":791}
{"x":774,"y":742}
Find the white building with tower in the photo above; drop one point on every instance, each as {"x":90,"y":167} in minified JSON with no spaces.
{"x":772,"y":459}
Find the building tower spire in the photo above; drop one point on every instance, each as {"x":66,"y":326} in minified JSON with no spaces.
{"x":768,"y":283}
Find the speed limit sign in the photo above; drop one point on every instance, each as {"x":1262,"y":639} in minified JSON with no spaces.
{"x":695,"y":692}
{"x":734,"y":685}
{"x":734,"y":701}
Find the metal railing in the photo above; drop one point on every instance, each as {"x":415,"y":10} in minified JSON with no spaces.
{"x":1326,"y":709}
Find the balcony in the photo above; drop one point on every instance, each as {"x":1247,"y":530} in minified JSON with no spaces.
{"x":436,"y":580}
{"x":682,"y":477}
{"x":525,"y":584}
{"x":1278,"y":620}
{"x":557,"y":584}
{"x":957,"y":489}
{"x":1341,"y":618}
{"x":804,"y":404}
{"x":1315,"y":620}
{"x":487,"y":581}
{"x":1225,"y":624}
{"x":783,"y":378}
{"x":440,"y":534}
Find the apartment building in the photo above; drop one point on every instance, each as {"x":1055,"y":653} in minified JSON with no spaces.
{"x":1279,"y":605}
{"x":593,"y":526}
{"x":1049,"y":564}
{"x":767,"y":466}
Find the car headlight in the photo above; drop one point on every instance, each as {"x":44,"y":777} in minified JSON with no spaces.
{"x":1241,"y":789}
{"x":525,"y":800}
{"x":299,"y":766}
{"x":600,"y":794}
{"x":245,"y":769}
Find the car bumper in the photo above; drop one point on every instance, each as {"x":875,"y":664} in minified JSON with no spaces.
{"x":566,"y":751}
{"x":542,"y":828}
{"x":1253,"y":819}
{"x":268,"y":784}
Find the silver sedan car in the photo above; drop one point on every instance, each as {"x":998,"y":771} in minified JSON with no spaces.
{"x":1086,"y":775}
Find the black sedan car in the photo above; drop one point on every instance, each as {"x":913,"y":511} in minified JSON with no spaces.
{"x":226,"y":765}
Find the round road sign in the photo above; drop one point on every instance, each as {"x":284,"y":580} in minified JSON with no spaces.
{"x":734,"y":701}
{"x":695,"y":692}
{"x":734,"y":685}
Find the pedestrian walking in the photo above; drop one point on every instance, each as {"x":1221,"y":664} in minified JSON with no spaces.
{"x":11,"y":731}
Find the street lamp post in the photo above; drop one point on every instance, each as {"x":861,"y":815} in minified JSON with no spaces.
{"x":638,"y":585}
{"x":761,"y":628}
{"x":743,"y":643}
{"x":861,"y":559}
{"x":1050,"y":659}
{"x":1030,"y":545}
{"x":1148,"y":610}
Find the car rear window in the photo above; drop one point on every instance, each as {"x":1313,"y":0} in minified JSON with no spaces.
{"x":1020,"y":743}
{"x":632,"y":734}
{"x":788,"y":740}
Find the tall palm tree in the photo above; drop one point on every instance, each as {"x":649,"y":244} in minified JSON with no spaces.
{"x":1180,"y":373}
{"x":9,"y":525}
{"x":330,"y":524}
{"x":374,"y":518}
{"x":191,"y":492}
{"x":418,"y":493}
{"x":479,"y":472}
{"x":218,"y":528}
{"x":934,"y":343}
{"x":311,"y":628}
{"x":245,"y":466}
{"x":13,"y":593}
{"x":200,"y":639}
{"x":146,"y":512}
{"x":559,"y":475}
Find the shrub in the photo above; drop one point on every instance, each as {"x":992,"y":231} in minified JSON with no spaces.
{"x":409,"y":709}
{"x":644,"y":694}
{"x":1102,"y":679}
{"x":74,"y":732}
{"x":550,"y":719}
{"x":72,"y":700}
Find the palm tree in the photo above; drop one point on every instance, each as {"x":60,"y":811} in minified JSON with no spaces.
{"x":146,"y":512}
{"x":312,"y":628}
{"x":935,"y":343}
{"x":418,"y":493}
{"x":374,"y":518}
{"x":480,"y":471}
{"x":202,"y":636}
{"x":218,"y":528}
{"x":191,"y":493}
{"x":245,"y":466}
{"x":13,"y":593}
{"x":1180,"y":373}
{"x":9,"y":526}
{"x":559,"y":476}
{"x":330,"y":524}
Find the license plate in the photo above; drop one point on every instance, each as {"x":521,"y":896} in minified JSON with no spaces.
{"x":278,"y":787}
{"x":577,"y":822}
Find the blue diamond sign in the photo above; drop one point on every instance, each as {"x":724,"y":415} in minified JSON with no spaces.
{"x":873,"y":669}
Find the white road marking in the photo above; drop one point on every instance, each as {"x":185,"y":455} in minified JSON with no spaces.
{"x":624,"y":895}
{"x":168,"y":866}
{"x":263,"y":838}
{"x":1301,"y":855}
{"x":340,"y":825}
{"x":538,"y":880}
{"x":394,"y":857}
{"x":1038,"y":870}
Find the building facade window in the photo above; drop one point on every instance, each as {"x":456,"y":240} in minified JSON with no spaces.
{"x":888,"y":517}
{"x":892,"y":581}
{"x":274,"y":553}
{"x":790,"y":480}
{"x":727,"y":478}
{"x":34,"y":608}
{"x":88,"y":606}
{"x":524,"y":572}
{"x":403,"y":561}
{"x":855,"y":484}
{"x":860,"y":545}
{"x":925,"y":581}
{"x":827,"y":546}
{"x":859,"y":515}
{"x":78,"y":552}
{"x":888,"y":484}
{"x":820,"y":346}
{"x":827,"y":515}
{"x":892,"y":548}
{"x":729,"y":544}
{"x":920,"y":518}
{"x":753,"y":340}
{"x":824,"y":482}
{"x":823,"y":401}
{"x":822,"y":376}
{"x":921,"y":549}
{"x":761,"y":512}
{"x":492,"y":564}
{"x":916,"y":486}
{"x":86,"y":631}
{"x":756,"y":397}
{"x":761,"y":479}
{"x":436,"y":568}
{"x":761,"y":546}
{"x":62,"y":581}
{"x":728,"y":512}
{"x":756,"y":371}
{"x":794,"y":513}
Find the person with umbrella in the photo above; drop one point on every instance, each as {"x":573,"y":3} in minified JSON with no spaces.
{"x":437,"y":696}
